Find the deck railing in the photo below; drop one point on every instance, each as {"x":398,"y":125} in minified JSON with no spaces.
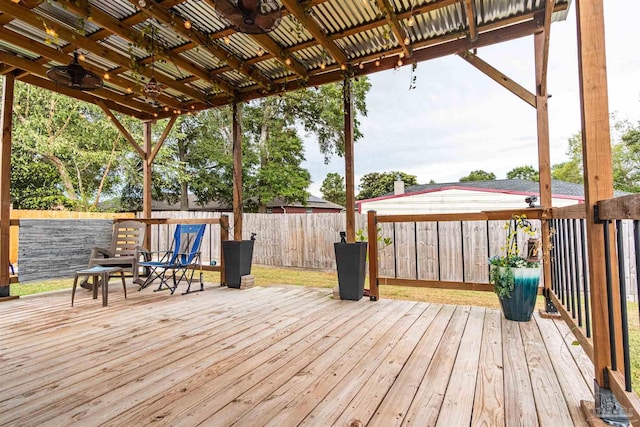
{"x":419,"y":250}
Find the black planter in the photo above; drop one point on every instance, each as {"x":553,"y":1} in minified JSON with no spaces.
{"x":4,"y":291}
{"x":237,"y":260}
{"x":351,"y":262}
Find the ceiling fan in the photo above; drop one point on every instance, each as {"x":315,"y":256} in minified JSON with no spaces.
{"x":74,"y":76}
{"x":250,"y":16}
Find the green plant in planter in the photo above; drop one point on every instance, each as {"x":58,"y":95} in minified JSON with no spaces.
{"x":501,"y":274}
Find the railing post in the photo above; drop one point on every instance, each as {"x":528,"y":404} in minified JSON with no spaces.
{"x":224,"y":235}
{"x":372,"y":232}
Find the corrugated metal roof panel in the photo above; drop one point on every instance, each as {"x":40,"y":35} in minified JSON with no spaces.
{"x":203,"y":57}
{"x":10,"y":48}
{"x":290,"y":32}
{"x":37,"y":34}
{"x":202,"y":16}
{"x":54,"y":11}
{"x":273,"y":69}
{"x":162,"y":35}
{"x":338,"y":15}
{"x":119,"y":9}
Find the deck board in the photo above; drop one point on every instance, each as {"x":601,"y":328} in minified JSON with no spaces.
{"x":280,"y":356}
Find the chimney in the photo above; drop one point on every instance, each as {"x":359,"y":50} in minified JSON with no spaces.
{"x":398,"y":186}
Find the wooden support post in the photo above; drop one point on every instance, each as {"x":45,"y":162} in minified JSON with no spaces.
{"x":147,"y":166}
{"x":372,"y":232}
{"x":348,"y":161}
{"x":237,"y":173}
{"x":5,"y":181}
{"x":544,"y":156}
{"x":224,"y":235}
{"x":598,"y":178}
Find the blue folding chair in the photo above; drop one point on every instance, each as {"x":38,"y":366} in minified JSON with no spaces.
{"x":181,"y":260}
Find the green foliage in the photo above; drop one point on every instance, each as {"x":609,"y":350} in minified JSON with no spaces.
{"x":362,"y":237}
{"x":479,"y":175}
{"x":376,"y":184}
{"x":626,"y":158}
{"x":501,"y":273}
{"x":333,"y":189}
{"x":524,"y":172}
{"x":571,"y":170}
{"x":64,"y":151}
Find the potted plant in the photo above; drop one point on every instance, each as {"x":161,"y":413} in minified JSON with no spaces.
{"x":514,"y":277}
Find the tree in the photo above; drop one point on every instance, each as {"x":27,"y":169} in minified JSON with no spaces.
{"x":272,"y":148}
{"x":626,"y":158}
{"x":378,"y":184}
{"x":571,"y":170}
{"x":479,"y":175}
{"x":524,"y":172}
{"x":333,"y":189}
{"x":71,"y":137}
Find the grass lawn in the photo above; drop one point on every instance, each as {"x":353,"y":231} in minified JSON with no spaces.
{"x":272,"y":276}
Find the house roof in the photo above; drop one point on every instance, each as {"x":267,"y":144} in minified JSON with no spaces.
{"x":312,"y":202}
{"x":559,"y":189}
{"x":202,"y":62}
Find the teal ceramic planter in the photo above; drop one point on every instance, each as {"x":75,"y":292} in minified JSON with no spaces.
{"x":519,"y":307}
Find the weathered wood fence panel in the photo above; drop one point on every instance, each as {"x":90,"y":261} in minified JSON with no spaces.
{"x":55,"y":248}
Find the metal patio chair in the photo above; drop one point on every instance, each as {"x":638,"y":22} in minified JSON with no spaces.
{"x":181,"y":260}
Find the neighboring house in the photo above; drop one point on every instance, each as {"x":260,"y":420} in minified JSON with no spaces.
{"x":277,"y":206}
{"x":471,"y":196}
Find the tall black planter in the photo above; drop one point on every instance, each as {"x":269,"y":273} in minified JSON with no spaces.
{"x":237,"y":260}
{"x":351,"y":262}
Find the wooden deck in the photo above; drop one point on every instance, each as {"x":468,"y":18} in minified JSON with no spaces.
{"x":281,"y":357}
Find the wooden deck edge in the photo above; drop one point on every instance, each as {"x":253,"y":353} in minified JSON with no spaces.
{"x":9,"y":298}
{"x":589,"y":412}
{"x":545,"y":315}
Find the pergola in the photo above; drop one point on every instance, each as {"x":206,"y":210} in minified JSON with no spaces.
{"x":202,"y":63}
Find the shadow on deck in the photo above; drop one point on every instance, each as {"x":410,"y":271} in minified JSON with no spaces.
{"x":282,"y":356}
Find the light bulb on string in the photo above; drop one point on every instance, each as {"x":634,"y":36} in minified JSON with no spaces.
{"x":411,"y":21}
{"x":187,"y":24}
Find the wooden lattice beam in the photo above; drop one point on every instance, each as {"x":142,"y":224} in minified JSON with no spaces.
{"x":398,"y":31}
{"x":471,"y":19}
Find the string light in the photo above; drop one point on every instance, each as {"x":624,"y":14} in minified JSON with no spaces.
{"x":400,"y":63}
{"x":260,"y":51}
{"x":227,"y":40}
{"x":166,"y":108}
{"x":81,"y":57}
{"x":142,"y":3}
{"x":411,"y":22}
{"x":323,"y":65}
{"x":361,"y":66}
{"x":343,"y":67}
{"x":187,"y":24}
{"x":107,"y":76}
{"x":287,"y":61}
{"x":401,"y":55}
{"x":129,"y":90}
{"x":155,"y":114}
{"x":377,"y":62}
{"x":407,"y":41}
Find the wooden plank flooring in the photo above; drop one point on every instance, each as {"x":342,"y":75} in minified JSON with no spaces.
{"x":281,"y":356}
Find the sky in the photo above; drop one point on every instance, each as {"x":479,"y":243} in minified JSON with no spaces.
{"x":458,"y":120}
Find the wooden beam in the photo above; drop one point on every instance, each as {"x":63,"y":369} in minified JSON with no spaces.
{"x":397,"y":29}
{"x":372,"y":233}
{"x":598,"y":179}
{"x":163,"y":137}
{"x":5,"y":181}
{"x":624,"y":207}
{"x":542,"y":73}
{"x":471,"y":19}
{"x":347,"y":95}
{"x":121,"y":128}
{"x":40,"y":71}
{"x":114,"y":26}
{"x":23,"y":14}
{"x":499,"y":78}
{"x":147,"y":182}
{"x":436,"y":51}
{"x":237,"y":172}
{"x":301,"y":15}
{"x":77,"y":94}
{"x":544,"y":161}
{"x":162,"y":13}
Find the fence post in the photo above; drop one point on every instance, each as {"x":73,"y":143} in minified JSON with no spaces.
{"x":224,"y":235}
{"x":372,"y":232}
